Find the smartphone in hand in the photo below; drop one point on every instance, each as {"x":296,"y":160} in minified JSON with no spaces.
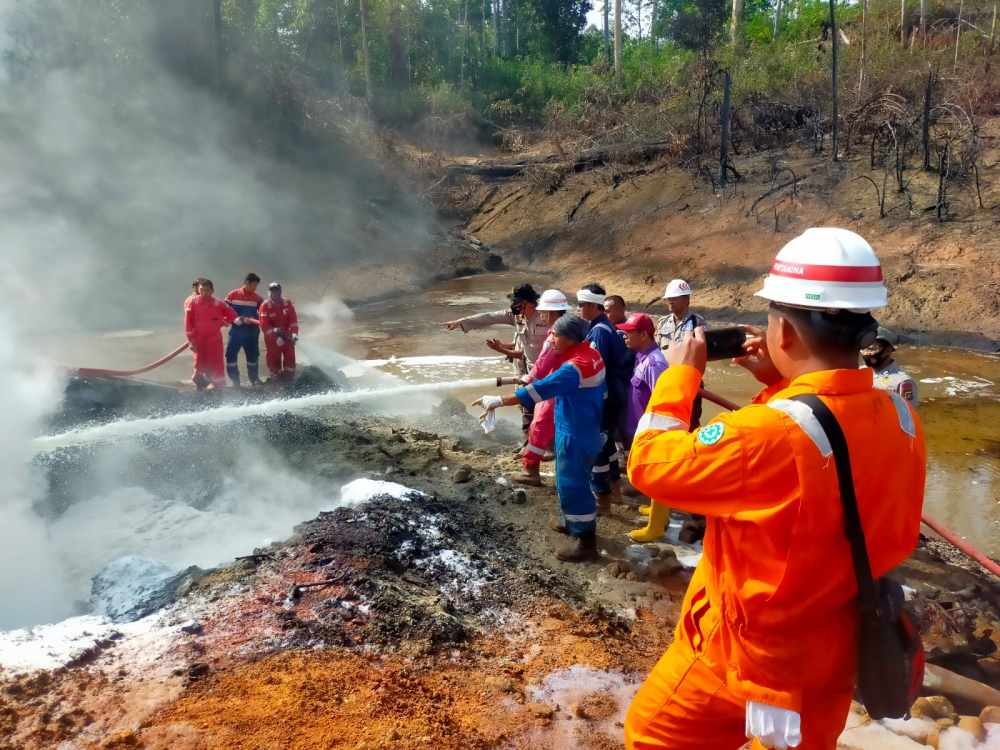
{"x":725,"y":343}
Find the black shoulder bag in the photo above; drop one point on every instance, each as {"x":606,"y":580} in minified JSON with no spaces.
{"x":891,"y":654}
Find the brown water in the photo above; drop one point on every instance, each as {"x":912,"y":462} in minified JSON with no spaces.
{"x":959,"y":392}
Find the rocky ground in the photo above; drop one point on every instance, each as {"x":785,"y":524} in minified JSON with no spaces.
{"x":425,"y":610}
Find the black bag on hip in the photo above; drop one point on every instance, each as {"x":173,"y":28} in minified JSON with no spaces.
{"x":891,"y":653}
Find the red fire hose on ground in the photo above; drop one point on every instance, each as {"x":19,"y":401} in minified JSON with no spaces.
{"x":936,"y":526}
{"x":140,"y":371}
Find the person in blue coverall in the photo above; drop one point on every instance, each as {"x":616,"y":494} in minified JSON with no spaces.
{"x":246,"y":302}
{"x":605,"y":480}
{"x":578,"y":387}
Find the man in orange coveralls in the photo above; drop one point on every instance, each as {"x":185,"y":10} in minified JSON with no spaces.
{"x":280,"y":324}
{"x":766,"y":646}
{"x":204,"y":318}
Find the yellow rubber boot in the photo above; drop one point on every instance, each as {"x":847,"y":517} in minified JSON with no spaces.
{"x":659,"y":517}
{"x":644,"y":510}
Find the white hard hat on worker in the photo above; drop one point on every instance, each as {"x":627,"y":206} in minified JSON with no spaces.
{"x":552,"y":299}
{"x":826,"y":268}
{"x":677,"y":288}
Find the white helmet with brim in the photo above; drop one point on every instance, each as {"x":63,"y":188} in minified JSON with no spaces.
{"x":552,"y":299}
{"x":829,"y":269}
{"x":677,"y":288}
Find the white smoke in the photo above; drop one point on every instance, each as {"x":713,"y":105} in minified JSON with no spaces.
{"x":32,"y":585}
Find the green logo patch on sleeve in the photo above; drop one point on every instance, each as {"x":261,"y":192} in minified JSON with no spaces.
{"x":711,"y":434}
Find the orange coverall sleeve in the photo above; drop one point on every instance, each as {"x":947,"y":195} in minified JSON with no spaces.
{"x":188,"y":322}
{"x":710,"y":468}
{"x":293,"y":319}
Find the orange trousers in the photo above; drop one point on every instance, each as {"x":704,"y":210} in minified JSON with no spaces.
{"x":685,"y":703}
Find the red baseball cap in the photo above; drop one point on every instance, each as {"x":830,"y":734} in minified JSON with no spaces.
{"x":638,"y":322}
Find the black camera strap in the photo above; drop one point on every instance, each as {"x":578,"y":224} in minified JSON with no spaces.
{"x":852,"y":517}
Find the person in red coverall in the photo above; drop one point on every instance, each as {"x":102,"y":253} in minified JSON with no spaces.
{"x":281,"y":330}
{"x":552,"y":305}
{"x":204,"y":318}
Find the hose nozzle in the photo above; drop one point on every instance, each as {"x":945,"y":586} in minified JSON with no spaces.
{"x":508,"y":381}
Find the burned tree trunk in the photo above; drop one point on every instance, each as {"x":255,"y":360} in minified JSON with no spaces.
{"x":833,"y":47}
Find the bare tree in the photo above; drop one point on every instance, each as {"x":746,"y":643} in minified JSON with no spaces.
{"x":833,"y":47}
{"x":340,"y":34}
{"x":737,"y":13}
{"x":777,"y":19}
{"x":958,"y":30}
{"x":923,"y":22}
{"x":993,"y":34}
{"x":607,"y":30}
{"x":618,"y":37}
{"x":652,"y":22}
{"x":864,"y":41}
{"x":217,"y":16}
{"x":364,"y":53}
{"x":724,"y":151}
{"x":461,"y":63}
{"x":902,"y":23}
{"x":517,"y":26}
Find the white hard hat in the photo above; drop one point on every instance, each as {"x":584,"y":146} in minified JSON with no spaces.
{"x":677,"y":288}
{"x":552,"y":299}
{"x":826,"y":267}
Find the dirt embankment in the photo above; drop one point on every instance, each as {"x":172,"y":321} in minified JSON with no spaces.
{"x":635,"y":226}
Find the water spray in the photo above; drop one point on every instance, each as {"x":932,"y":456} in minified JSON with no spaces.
{"x":224,"y":414}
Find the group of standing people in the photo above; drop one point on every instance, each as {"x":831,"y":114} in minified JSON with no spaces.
{"x":587,"y":380}
{"x":766,"y":645}
{"x":249,"y":315}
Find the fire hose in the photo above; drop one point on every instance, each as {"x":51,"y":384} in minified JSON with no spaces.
{"x":140,"y":371}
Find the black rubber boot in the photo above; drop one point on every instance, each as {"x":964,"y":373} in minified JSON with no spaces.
{"x":581,"y":549}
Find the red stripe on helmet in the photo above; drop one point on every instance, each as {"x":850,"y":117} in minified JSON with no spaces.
{"x":810,"y":272}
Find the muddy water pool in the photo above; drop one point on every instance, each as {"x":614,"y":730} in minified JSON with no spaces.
{"x":959,"y":390}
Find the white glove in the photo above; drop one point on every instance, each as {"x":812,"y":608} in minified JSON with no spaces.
{"x":238,"y":322}
{"x":280,"y":341}
{"x":772,"y":726}
{"x":295,"y":337}
{"x":491,"y":402}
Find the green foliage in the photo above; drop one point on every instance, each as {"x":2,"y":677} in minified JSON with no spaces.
{"x":436,"y":67}
{"x":695,"y":24}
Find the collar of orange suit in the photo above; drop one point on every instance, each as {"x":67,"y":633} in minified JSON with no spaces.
{"x":823,"y":382}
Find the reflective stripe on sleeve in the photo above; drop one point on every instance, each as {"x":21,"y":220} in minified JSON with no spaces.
{"x":651,"y":421}
{"x":803,"y":416}
{"x":533,"y":393}
{"x":593,"y":381}
{"x":905,"y":415}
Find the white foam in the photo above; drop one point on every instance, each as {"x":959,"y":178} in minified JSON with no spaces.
{"x":52,"y":646}
{"x":468,"y":578}
{"x":362,"y":490}
{"x":565,"y":687}
{"x":128,"y":582}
